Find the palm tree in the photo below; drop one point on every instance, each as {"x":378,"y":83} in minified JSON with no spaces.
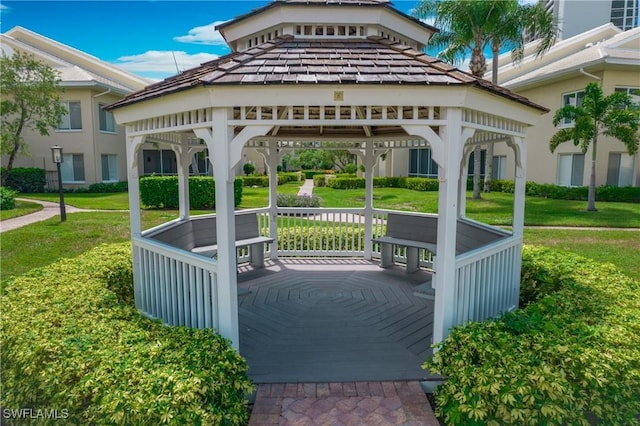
{"x":476,"y":25}
{"x":614,"y":115}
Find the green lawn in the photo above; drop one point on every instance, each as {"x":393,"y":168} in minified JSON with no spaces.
{"x":21,"y":208}
{"x":83,"y":231}
{"x":107,"y":201}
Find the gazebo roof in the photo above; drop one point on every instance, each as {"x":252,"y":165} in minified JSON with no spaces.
{"x":287,"y":60}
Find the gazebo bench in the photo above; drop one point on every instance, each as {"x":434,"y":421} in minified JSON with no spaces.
{"x":247,"y":235}
{"x":413,"y":232}
{"x":198,"y":235}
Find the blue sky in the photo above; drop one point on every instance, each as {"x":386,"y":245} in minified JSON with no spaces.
{"x":140,"y":36}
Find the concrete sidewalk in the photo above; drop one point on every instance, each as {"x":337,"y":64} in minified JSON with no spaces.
{"x":306,"y":188}
{"x":48,"y":211}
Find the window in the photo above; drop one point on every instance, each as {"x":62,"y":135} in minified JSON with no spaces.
{"x":633,"y":92}
{"x":421,"y":164}
{"x":107,"y":123}
{"x":72,"y":168}
{"x":570,"y":169}
{"x":499,"y":170}
{"x":72,"y":120}
{"x":109,"y":168}
{"x":574,"y":99}
{"x":620,"y":169}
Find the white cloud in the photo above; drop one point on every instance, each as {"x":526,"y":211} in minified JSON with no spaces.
{"x":205,"y":34}
{"x":161,"y":63}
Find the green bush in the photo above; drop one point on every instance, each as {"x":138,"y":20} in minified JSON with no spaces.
{"x":322,"y":239}
{"x":309,"y":174}
{"x":320,"y":180}
{"x":571,"y":356}
{"x":26,"y":179}
{"x":389,"y":182}
{"x":69,"y":341}
{"x":262,"y":181}
{"x":292,"y":200}
{"x":7,"y":198}
{"x":346,"y":183}
{"x":103,"y":188}
{"x":422,"y":184}
{"x":623,"y":194}
{"x":248,"y":168}
{"x":162,"y":192}
{"x":350,"y":168}
{"x":285,"y":177}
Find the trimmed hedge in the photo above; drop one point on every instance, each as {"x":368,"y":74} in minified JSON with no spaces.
{"x":71,"y":339}
{"x":162,"y":192}
{"x":571,"y":356}
{"x":625,"y":194}
{"x":26,"y":179}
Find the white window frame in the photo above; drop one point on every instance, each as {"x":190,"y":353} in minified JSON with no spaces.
{"x":633,"y":92}
{"x":68,"y":170}
{"x":106,"y":119}
{"x":112,"y":167}
{"x":571,"y":98}
{"x":561,"y":172}
{"x":625,"y":169}
{"x":499,"y":169}
{"x":65,"y":120}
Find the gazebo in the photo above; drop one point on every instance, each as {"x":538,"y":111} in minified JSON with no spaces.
{"x":335,"y":75}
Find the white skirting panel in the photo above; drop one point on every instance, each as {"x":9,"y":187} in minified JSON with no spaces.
{"x":175,"y":286}
{"x":488,"y":280}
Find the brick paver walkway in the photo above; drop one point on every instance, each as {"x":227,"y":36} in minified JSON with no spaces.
{"x":336,"y":404}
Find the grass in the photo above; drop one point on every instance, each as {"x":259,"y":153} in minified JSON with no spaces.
{"x":106,"y":201}
{"x":83,"y":231}
{"x":22,"y":208}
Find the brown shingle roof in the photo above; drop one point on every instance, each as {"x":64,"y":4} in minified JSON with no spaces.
{"x":288,"y":60}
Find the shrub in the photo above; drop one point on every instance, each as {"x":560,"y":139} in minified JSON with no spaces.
{"x":7,"y":198}
{"x":320,"y":181}
{"x":291,"y":200}
{"x":69,"y":341}
{"x":256,"y":180}
{"x":248,"y":168}
{"x":350,"y":168}
{"x":162,"y":192}
{"x":346,"y":183}
{"x":389,"y":182}
{"x":309,"y":174}
{"x":571,"y":356}
{"x":322,"y":239}
{"x":102,"y":188}
{"x":27,"y":179}
{"x":289,"y":177}
{"x":422,"y":184}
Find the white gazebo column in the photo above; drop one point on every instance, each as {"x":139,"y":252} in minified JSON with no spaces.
{"x":219,"y":141}
{"x":462,"y":193}
{"x":133,"y":183}
{"x":184,"y":160}
{"x":520,"y":191}
{"x":448,"y":198}
{"x":273,"y":158}
{"x":368,"y":161}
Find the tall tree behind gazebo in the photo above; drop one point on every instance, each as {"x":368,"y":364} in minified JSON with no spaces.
{"x":475,"y":25}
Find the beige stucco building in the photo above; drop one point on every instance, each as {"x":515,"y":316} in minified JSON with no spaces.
{"x":93,"y":144}
{"x":605,"y":55}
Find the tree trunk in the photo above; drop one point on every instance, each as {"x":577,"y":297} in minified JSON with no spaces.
{"x":476,"y":172}
{"x":488,"y":168}
{"x":591,"y":203}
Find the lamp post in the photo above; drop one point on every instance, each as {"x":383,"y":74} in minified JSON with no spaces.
{"x":56,"y":156}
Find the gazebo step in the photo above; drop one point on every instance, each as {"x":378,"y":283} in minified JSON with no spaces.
{"x":425,"y":290}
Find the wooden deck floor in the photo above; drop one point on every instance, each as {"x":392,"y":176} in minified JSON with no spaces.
{"x":324,"y":320}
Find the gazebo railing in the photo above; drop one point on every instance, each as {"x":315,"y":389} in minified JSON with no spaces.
{"x":174,"y":285}
{"x":488,"y":280}
{"x":181,"y":288}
